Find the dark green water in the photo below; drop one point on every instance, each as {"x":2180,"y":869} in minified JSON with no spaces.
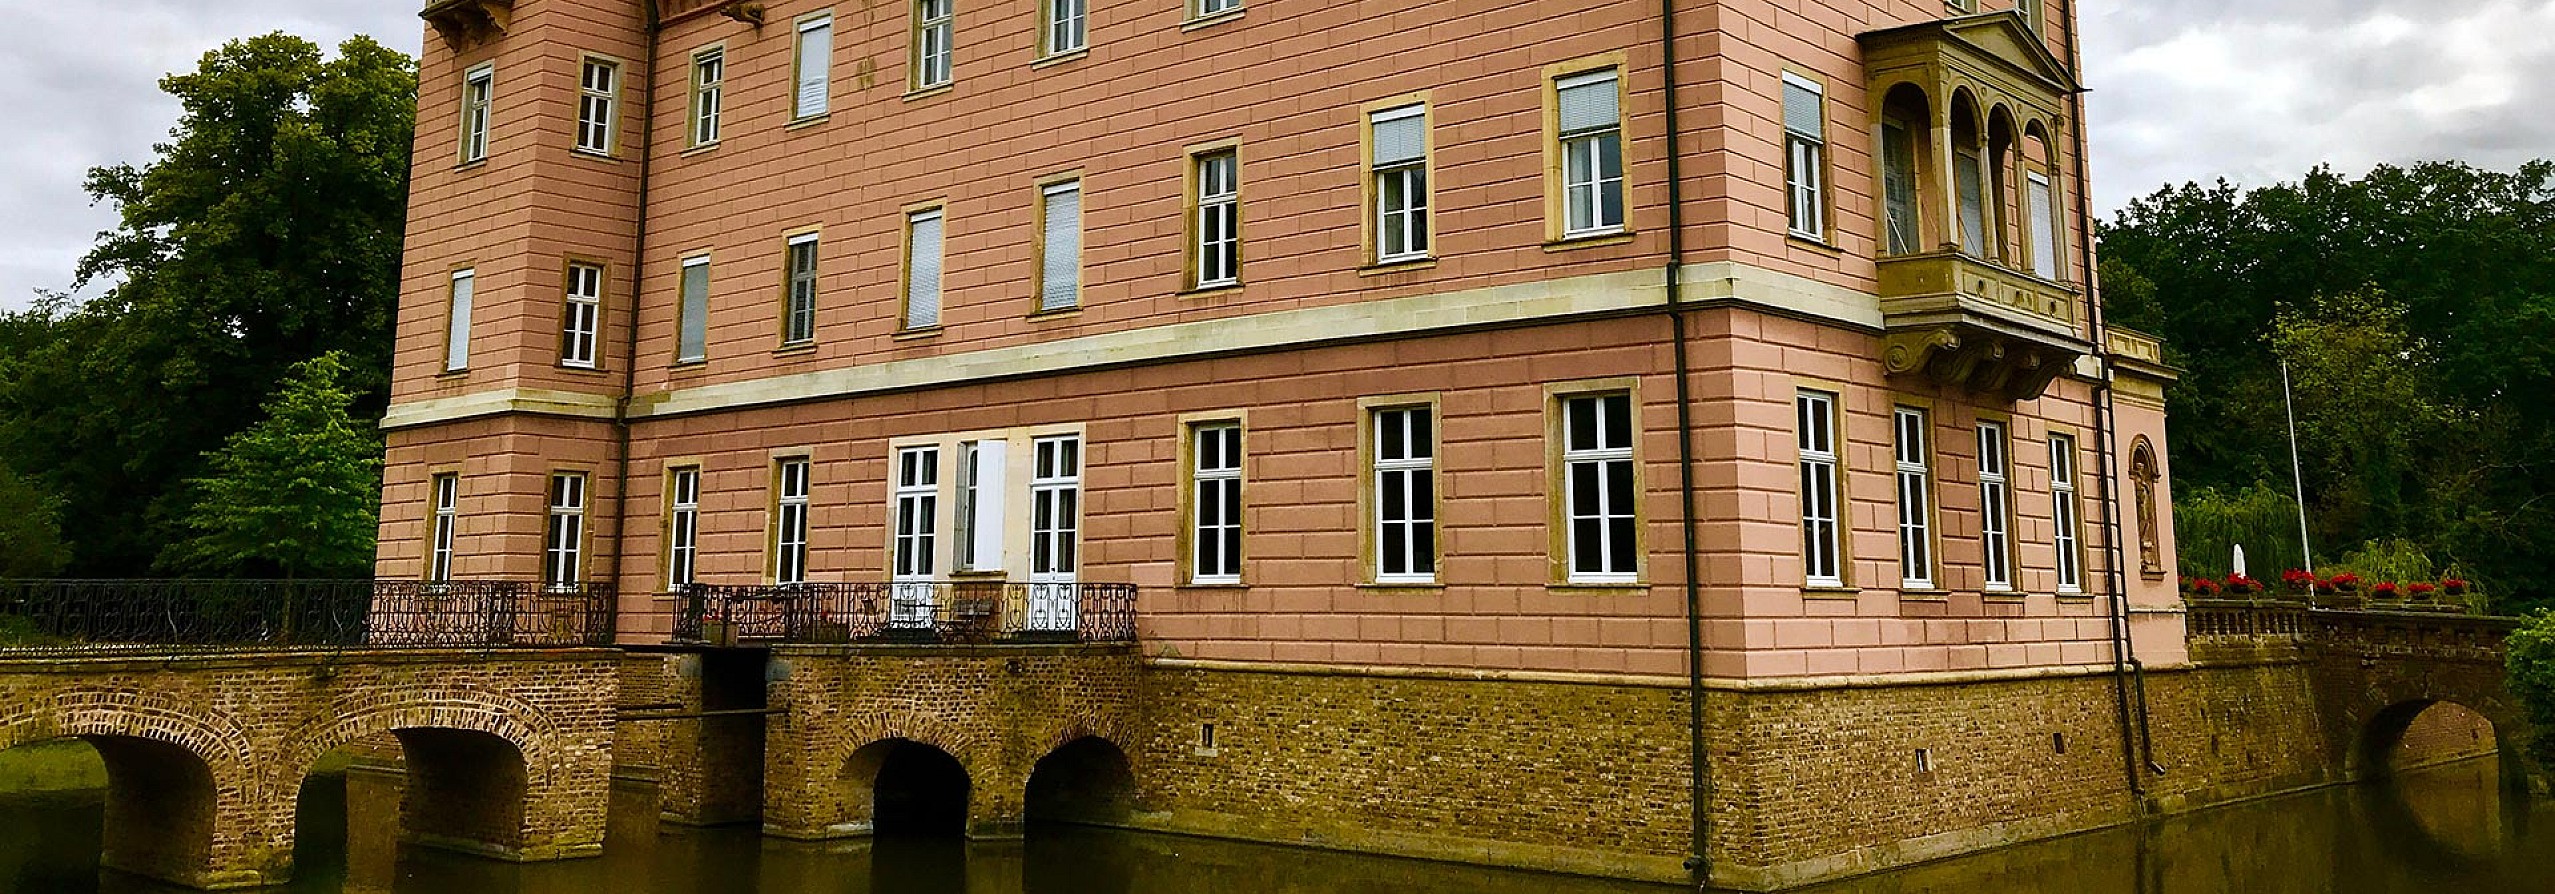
{"x":2441,"y":830}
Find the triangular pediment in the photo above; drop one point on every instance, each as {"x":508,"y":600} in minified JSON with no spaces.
{"x":2000,"y":38}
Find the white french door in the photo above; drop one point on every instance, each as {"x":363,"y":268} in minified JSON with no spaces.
{"x":1055,"y":509}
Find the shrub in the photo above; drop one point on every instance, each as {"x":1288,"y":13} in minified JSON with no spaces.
{"x":2529,"y":658}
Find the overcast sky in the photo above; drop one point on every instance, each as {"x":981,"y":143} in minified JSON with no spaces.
{"x":2249,"y":90}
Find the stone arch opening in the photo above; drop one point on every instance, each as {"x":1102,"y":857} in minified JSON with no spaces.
{"x":1087,"y":781}
{"x":464,"y":791}
{"x":912,"y":789}
{"x":155,"y":818}
{"x":346,"y":815}
{"x":2425,"y":831}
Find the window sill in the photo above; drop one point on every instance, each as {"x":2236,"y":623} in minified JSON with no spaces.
{"x":1210,"y":291}
{"x":795,"y":349}
{"x":1592,"y":240}
{"x":2064,"y":596}
{"x":1054,"y":59}
{"x":929,"y":92}
{"x":581,"y":370}
{"x":686,"y":366}
{"x":1596,"y":588}
{"x":1061,"y":313}
{"x":1414,"y":588}
{"x":1831,"y":592}
{"x":453,"y":375}
{"x":471,"y":165}
{"x":591,"y":155}
{"x":1236,"y":585}
{"x":1818,"y":245}
{"x":701,"y":149}
{"x":1205,"y":21}
{"x":808,"y":122}
{"x":980,"y":575}
{"x":917,"y":333}
{"x":1380,"y":268}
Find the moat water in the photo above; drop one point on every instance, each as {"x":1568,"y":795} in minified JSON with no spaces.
{"x":2446,"y":829}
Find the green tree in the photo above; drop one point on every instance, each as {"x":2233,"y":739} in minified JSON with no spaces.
{"x":30,"y":529}
{"x":266,"y":231}
{"x":2529,"y":659}
{"x":295,"y":494}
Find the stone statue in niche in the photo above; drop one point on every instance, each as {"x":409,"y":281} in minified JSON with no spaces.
{"x":2142,"y":481}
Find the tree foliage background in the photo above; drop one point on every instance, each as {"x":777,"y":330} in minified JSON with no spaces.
{"x":266,"y":232}
{"x":2416,"y":308}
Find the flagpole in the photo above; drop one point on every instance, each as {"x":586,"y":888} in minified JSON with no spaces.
{"x":2297,"y":477}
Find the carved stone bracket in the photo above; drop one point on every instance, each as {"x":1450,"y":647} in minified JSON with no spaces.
{"x":466,"y":23}
{"x":1975,"y":359}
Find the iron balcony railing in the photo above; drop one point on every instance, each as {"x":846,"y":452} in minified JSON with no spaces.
{"x":908,"y":611}
{"x":301,"y":614}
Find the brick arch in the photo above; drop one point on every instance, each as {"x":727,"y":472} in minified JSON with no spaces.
{"x":972,"y":751}
{"x":214,"y":737}
{"x":153,"y":792}
{"x":531,"y":732}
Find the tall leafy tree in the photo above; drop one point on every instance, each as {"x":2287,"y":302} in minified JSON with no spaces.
{"x":30,"y":528}
{"x":295,"y":494}
{"x":265,"y":232}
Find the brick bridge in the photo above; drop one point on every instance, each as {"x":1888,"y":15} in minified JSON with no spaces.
{"x":2376,"y":668}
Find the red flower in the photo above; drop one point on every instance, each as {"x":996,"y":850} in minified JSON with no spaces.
{"x":2384,"y":590}
{"x":2241,"y":585}
{"x":2345,"y":582}
{"x":2422,"y":589}
{"x":2456,"y":587}
{"x":2200,"y":586}
{"x":2299,"y":582}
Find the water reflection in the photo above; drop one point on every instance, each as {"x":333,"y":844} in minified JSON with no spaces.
{"x":2445,"y":829}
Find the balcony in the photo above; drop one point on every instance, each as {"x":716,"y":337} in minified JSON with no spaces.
{"x":1969,"y":324}
{"x":908,"y":612}
{"x":185,"y":615}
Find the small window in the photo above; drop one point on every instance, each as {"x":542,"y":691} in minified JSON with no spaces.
{"x":692,"y":328}
{"x":478,"y":95}
{"x":1067,"y":25}
{"x":917,"y":511}
{"x":1216,"y":508}
{"x":1822,"y":547}
{"x":563,"y":555}
{"x":932,"y":36}
{"x":1405,"y":476}
{"x":457,"y":321}
{"x":447,"y":488}
{"x":1805,"y":156}
{"x":1060,"y":245}
{"x":1915,"y":498}
{"x":1588,"y":110}
{"x":1204,"y":8}
{"x":1217,"y":224}
{"x":709,"y":77}
{"x":582,"y":316}
{"x":798,"y":307}
{"x":1995,"y":509}
{"x":922,"y":268}
{"x":814,"y":64}
{"x":598,"y":101}
{"x":2041,"y":199}
{"x":789,"y":520}
{"x":1400,"y":170}
{"x":1600,"y":489}
{"x":682,"y":525}
{"x":2064,"y":514}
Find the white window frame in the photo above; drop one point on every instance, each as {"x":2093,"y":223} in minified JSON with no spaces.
{"x":457,"y":311}
{"x":1200,"y":9}
{"x":692,"y":312}
{"x":1805,"y":153}
{"x":1616,"y":515}
{"x":1995,"y":508}
{"x":1065,"y":26}
{"x":563,"y":539}
{"x":1910,"y":447}
{"x":1055,"y":507}
{"x":1059,"y":259}
{"x":478,"y":110}
{"x":2066,"y":515}
{"x":683,"y":526}
{"x":1822,"y":489}
{"x":1406,"y":178}
{"x":798,"y":300}
{"x":933,"y":39}
{"x":1586,"y":182}
{"x":1408,"y":471}
{"x":709,"y":92}
{"x":581,"y":315}
{"x":598,"y":105}
{"x":916,"y":287}
{"x":793,"y":483}
{"x":811,"y":79}
{"x":1218,"y":239}
{"x":447,"y":525}
{"x":1212,"y":470}
{"x":916,"y":526}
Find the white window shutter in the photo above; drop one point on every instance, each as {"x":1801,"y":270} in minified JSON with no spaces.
{"x":922,"y":287}
{"x":1588,"y":102}
{"x":2044,"y":220}
{"x":692,"y":340}
{"x":1401,"y":135}
{"x":1801,"y":112}
{"x":993,"y":474}
{"x":457,"y":339}
{"x":815,"y":51}
{"x":1060,"y":270}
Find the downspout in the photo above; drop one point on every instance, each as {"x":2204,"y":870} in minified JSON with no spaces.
{"x":630,"y":326}
{"x":1699,"y":780}
{"x":2129,"y":678}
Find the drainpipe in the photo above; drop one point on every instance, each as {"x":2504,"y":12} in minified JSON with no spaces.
{"x":1699,"y":765}
{"x":2129,"y":677}
{"x":630,"y":343}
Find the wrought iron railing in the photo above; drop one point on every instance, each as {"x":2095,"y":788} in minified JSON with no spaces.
{"x":908,"y":611}
{"x":301,"y":614}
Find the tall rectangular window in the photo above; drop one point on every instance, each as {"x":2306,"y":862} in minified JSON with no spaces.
{"x":1216,"y":509}
{"x":581,"y":317}
{"x":709,"y":80}
{"x":917,"y":511}
{"x":447,"y":522}
{"x":814,"y":68}
{"x":598,"y":101}
{"x":1805,"y":150}
{"x":789,"y":520}
{"x":1995,"y":508}
{"x":1217,"y":229}
{"x":1400,"y":169}
{"x":1898,"y":187}
{"x":1060,"y":245}
{"x":798,"y":307}
{"x":1405,"y":477}
{"x":1822,"y":544}
{"x":1589,"y":114}
{"x":1598,"y":490}
{"x":2042,"y":201}
{"x":983,"y":475}
{"x":563,"y":553}
{"x":682,"y":525}
{"x":1068,"y":22}
{"x":1916,"y":498}
{"x":1055,"y":497}
{"x":932,"y":36}
{"x":2063,"y":515}
{"x":1970,"y":188}
{"x":922,"y":268}
{"x":692,"y":318}
{"x":1205,"y":8}
{"x":457,"y":321}
{"x":478,"y":95}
